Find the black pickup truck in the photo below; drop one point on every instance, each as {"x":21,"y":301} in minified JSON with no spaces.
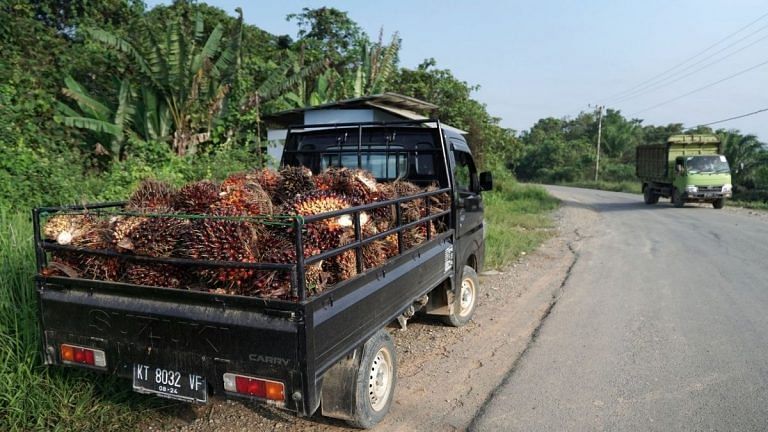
{"x":329,"y":351}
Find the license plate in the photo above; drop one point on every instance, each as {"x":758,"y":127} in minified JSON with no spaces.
{"x":709,"y":195}
{"x":169,"y":383}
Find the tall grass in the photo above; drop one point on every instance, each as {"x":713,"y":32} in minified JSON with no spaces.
{"x":33,"y":397}
{"x":518,"y":220}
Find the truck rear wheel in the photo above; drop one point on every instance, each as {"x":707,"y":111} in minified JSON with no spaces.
{"x":464,"y":301}
{"x":376,"y":379}
{"x":719,"y":203}
{"x":649,"y":196}
{"x":677,"y":200}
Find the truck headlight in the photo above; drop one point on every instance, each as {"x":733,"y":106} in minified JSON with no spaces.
{"x":727,"y":188}
{"x":691,"y":189}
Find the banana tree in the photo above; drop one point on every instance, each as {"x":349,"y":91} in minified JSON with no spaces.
{"x":111,"y":125}
{"x":190,"y":75}
{"x":376,"y":65}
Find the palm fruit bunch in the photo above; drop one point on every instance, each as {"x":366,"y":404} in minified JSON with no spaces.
{"x":384,"y":216}
{"x":328,"y":180}
{"x":276,"y":283}
{"x":63,"y":228}
{"x":121,"y":228}
{"x":152,"y":274}
{"x":151,"y":196}
{"x":196,"y":198}
{"x":242,"y":195}
{"x":374,"y":253}
{"x":295,"y":181}
{"x":94,"y":235}
{"x":437,"y":204}
{"x":358,"y":184}
{"x":323,"y":234}
{"x":269,"y":180}
{"x":155,"y":236}
{"x":221,"y":240}
{"x":411,"y":211}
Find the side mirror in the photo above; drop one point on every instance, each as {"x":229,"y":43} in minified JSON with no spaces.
{"x":486,"y":181}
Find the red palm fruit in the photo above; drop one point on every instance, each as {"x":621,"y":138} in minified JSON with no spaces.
{"x":276,"y":283}
{"x":357,"y":183}
{"x":220,"y":240}
{"x":197,"y":197}
{"x":151,"y":274}
{"x":384,"y":216}
{"x":328,"y":180}
{"x":269,"y":179}
{"x":373,"y":253}
{"x":151,"y":196}
{"x":157,"y":236}
{"x":242,"y":195}
{"x":296,"y":180}
{"x":322,"y":234}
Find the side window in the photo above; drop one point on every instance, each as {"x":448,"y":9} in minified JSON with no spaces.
{"x":464,"y":174}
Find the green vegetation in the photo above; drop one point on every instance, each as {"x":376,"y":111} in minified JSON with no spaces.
{"x":518,"y":220}
{"x":33,"y":397}
{"x":564,"y":151}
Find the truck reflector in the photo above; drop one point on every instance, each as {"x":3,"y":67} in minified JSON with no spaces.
{"x":72,"y":354}
{"x":257,"y":387}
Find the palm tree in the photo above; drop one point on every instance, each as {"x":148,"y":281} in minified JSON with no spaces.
{"x":744,"y":153}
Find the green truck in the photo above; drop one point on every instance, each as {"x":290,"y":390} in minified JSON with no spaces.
{"x":686,"y":168}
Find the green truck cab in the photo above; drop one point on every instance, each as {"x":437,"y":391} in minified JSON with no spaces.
{"x":686,"y":168}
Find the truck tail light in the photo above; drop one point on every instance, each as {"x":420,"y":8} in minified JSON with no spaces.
{"x":72,"y":354}
{"x":258,"y":387}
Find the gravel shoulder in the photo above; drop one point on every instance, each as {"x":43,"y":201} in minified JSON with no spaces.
{"x":446,"y":375}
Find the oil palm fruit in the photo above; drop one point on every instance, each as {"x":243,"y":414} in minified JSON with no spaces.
{"x":151,"y":196}
{"x":241,"y":195}
{"x":269,"y":179}
{"x":220,"y":240}
{"x":160,"y":275}
{"x":196,"y":198}
{"x":296,"y":180}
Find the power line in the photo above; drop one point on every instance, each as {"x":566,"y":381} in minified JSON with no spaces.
{"x":741,"y":72}
{"x":735,"y":117}
{"x":661,"y":83}
{"x":630,"y":90}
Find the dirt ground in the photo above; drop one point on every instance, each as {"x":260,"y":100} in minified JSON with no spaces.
{"x":445,"y":374}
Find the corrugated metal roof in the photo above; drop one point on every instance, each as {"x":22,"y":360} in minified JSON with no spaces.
{"x":392,"y":101}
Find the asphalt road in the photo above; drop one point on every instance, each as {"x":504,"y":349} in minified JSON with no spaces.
{"x":662,"y":325}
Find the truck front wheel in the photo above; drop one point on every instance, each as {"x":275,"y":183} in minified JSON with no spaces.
{"x":376,"y":380}
{"x":649,"y":196}
{"x":464,"y":301}
{"x":677,"y":199}
{"x":719,"y":203}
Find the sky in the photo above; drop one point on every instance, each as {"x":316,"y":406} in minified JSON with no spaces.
{"x":555,"y":58}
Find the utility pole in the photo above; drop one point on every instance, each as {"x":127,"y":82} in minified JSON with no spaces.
{"x":599,"y":136}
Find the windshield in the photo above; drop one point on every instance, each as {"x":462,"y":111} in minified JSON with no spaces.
{"x":707,"y":164}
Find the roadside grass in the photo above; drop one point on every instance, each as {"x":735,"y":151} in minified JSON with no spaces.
{"x":33,"y":397}
{"x":518,"y":221}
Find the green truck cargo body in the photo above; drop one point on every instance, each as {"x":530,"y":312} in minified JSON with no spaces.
{"x":686,"y":168}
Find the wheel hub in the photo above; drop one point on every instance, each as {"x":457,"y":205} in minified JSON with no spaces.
{"x":380,"y":380}
{"x":467,"y":296}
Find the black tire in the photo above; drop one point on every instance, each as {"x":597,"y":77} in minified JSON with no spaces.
{"x":677,"y":200}
{"x":376,"y":380}
{"x":719,"y":203}
{"x":649,"y":196}
{"x":465,"y":301}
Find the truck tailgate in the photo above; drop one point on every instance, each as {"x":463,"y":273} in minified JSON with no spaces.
{"x":187,"y":331}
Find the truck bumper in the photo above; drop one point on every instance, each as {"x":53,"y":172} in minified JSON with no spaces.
{"x":706,"y":196}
